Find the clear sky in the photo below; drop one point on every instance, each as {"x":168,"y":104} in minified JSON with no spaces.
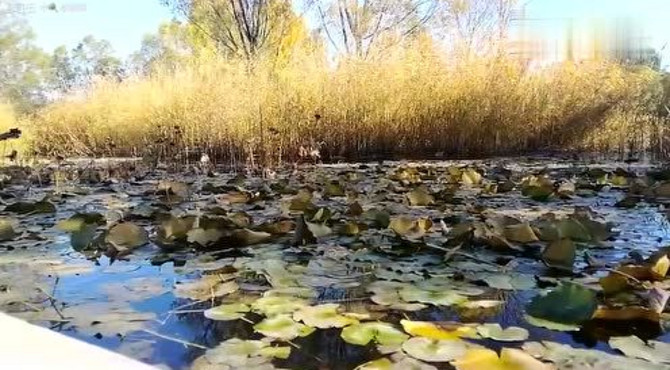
{"x":653,"y":16}
{"x":125,"y":22}
{"x":122,"y":22}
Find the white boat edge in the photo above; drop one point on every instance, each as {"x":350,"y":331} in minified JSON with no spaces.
{"x":24,"y":346}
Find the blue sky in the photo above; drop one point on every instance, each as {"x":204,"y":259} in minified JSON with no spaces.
{"x":125,"y":22}
{"x":122,"y":22}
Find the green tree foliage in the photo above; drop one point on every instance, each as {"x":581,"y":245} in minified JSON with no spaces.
{"x":24,"y":68}
{"x":78,"y":67}
{"x":172,"y":45}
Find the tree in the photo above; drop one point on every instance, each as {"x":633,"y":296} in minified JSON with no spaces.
{"x":63,"y":74}
{"x":24,"y":68}
{"x":93,"y":57}
{"x":172,"y":45}
{"x":360,"y":27}
{"x":474,"y":25}
{"x":77,"y":68}
{"x":240,"y":28}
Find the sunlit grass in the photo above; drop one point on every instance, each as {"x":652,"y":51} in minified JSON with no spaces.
{"x":412,"y":103}
{"x":9,"y":120}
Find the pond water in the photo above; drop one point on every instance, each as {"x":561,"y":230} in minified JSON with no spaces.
{"x":131,"y":304}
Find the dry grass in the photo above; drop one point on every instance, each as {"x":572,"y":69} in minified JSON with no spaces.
{"x":412,"y":103}
{"x":9,"y":120}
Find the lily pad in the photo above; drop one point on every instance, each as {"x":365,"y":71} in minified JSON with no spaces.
{"x":521,"y":233}
{"x":510,"y":359}
{"x":277,"y":305}
{"x":207,"y":287}
{"x":23,"y":208}
{"x":496,"y":332}
{"x":420,"y":197}
{"x":652,"y":351}
{"x":432,"y":350}
{"x":438,"y":298}
{"x":241,"y":354}
{"x":283,"y":327}
{"x":378,"y":332}
{"x":560,"y":254}
{"x":434,"y":331}
{"x":7,"y":229}
{"x":204,"y":237}
{"x":564,"y":357}
{"x":323,"y":316}
{"x":126,"y":236}
{"x":547,"y":324}
{"x":567,"y":304}
{"x":227,"y":312}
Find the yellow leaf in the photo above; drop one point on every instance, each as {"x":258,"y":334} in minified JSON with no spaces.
{"x":510,"y":359}
{"x":430,"y":330}
{"x":661,"y":266}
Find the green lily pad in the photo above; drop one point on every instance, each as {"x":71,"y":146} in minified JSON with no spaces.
{"x":241,"y":354}
{"x":560,"y":254}
{"x":227,"y":312}
{"x":302,"y":201}
{"x":432,"y":350}
{"x":507,"y":281}
{"x":572,"y":229}
{"x":126,"y":236}
{"x":496,"y":332}
{"x":323,"y":316}
{"x":568,"y":304}
{"x":379,"y":332}
{"x":438,"y":298}
{"x":40,"y":207}
{"x":333,"y":189}
{"x":7,"y":229}
{"x":283,"y":327}
{"x":520,"y":233}
{"x":84,"y":238}
{"x":79,"y":221}
{"x":420,"y":197}
{"x":541,"y":323}
{"x":277,"y":305}
{"x":379,"y":364}
{"x":379,"y":219}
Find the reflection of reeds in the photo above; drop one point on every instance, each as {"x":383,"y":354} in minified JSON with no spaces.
{"x":412,"y":103}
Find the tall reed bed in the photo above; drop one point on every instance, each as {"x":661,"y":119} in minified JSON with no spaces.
{"x":413,"y":103}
